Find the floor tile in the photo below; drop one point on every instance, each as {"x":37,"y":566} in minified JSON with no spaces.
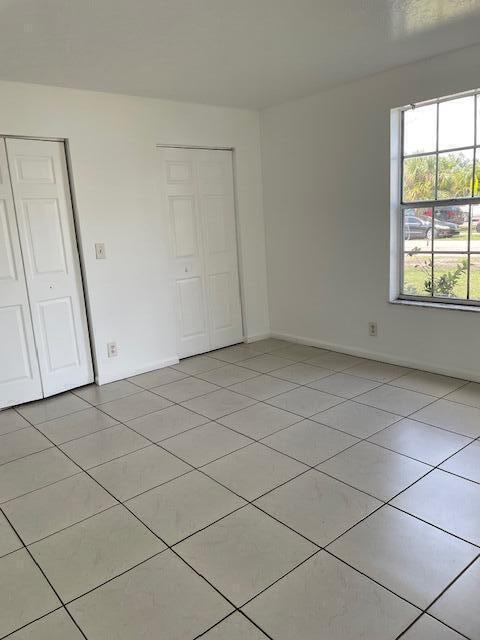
{"x":139,"y":471}
{"x":427,"y":628}
{"x":430,"y":383}
{"x":95,"y":394}
{"x":266,"y":363}
{"x":411,"y":558}
{"x":205,"y":443}
{"x":259,"y":420}
{"x":10,"y":421}
{"x":318,"y":507}
{"x":185,"y":389}
{"x":396,"y":400}
{"x":218,"y":404}
{"x":9,"y":541}
{"x":344,"y":385}
{"x":334,"y":361}
{"x":81,"y":557}
{"x":161,"y":598}
{"x":421,"y":441}
{"x":253,"y":470}
{"x":237,"y":353}
{"x":302,"y":373}
{"x":305,"y":402}
{"x":309,"y":442}
{"x":235,"y":627}
{"x":297,"y":352}
{"x":269,"y":344}
{"x":183,"y":506}
{"x":55,"y":626}
{"x":326,"y":599}
{"x":357,"y":419}
{"x":50,"y":408}
{"x":103,"y":446}
{"x":157,"y":377}
{"x":18,"y":444}
{"x":75,"y":425}
{"x":469,"y":394}
{"x":379,"y":371}
{"x":376,"y":471}
{"x":452,"y":416}
{"x":166,"y":423}
{"x":263,"y":387}
{"x":228,"y":375}
{"x":57,"y":506}
{"x":244,"y":553}
{"x":197,"y":364}
{"x":458,"y":607}
{"x":35,"y":471}
{"x":445,"y":501}
{"x":24,"y":593}
{"x":135,"y":406}
{"x":465,"y":463}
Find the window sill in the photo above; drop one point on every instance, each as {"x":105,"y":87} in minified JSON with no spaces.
{"x":435,"y":305}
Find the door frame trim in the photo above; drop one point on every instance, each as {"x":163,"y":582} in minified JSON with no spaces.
{"x":241,"y":284}
{"x":78,"y":243}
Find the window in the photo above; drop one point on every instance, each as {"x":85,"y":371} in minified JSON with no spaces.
{"x":440,"y":201}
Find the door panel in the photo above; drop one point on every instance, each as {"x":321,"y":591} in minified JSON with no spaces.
{"x":215,"y":192}
{"x":200,"y":204}
{"x":186,"y":251}
{"x":47,"y":236}
{"x":19,"y":373}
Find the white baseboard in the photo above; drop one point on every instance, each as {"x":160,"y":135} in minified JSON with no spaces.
{"x":129,"y":373}
{"x":257,"y":337}
{"x":369,"y":354}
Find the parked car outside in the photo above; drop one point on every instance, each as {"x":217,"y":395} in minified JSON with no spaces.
{"x":415,"y":227}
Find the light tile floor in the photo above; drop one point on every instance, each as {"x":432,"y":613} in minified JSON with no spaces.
{"x":269,"y":490}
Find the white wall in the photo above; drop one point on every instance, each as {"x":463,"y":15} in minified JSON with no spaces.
{"x":326,"y":164}
{"x":112,"y":142}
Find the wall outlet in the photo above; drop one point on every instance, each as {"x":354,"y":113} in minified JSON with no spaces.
{"x":100,"y":251}
{"x":372,"y":329}
{"x":112,"y":349}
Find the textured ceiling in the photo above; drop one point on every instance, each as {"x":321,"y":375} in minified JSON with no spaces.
{"x":244,"y":53}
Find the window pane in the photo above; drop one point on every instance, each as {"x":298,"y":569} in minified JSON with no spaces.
{"x":417,"y":229}
{"x":475,"y":278}
{"x":475,"y":237}
{"x":455,"y":174}
{"x":420,"y":130}
{"x":417,"y":274}
{"x":419,"y":178}
{"x":450,"y":276}
{"x":477,"y":171}
{"x":451,"y":228}
{"x":456,"y":123}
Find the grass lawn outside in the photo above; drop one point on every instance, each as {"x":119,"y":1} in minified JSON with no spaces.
{"x":415,"y":277}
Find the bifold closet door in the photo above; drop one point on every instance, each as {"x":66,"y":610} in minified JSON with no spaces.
{"x":201,"y":211}
{"x":41,"y":193}
{"x":19,"y":372}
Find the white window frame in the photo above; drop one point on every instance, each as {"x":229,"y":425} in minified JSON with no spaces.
{"x":397,"y":206}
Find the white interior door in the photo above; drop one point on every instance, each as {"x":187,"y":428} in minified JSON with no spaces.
{"x":200,"y":205}
{"x":43,"y":205}
{"x":19,"y":373}
{"x":217,"y":211}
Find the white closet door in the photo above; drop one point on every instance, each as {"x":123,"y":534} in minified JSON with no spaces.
{"x":186,"y":251}
{"x":19,"y":374}
{"x":200,"y":206}
{"x":217,"y":210}
{"x":41,"y":193}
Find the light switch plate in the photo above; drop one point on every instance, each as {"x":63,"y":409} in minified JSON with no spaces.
{"x":100,"y":251}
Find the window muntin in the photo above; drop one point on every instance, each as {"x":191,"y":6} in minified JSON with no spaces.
{"x":440,"y":201}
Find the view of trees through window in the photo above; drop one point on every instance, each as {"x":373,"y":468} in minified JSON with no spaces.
{"x":441,"y":200}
